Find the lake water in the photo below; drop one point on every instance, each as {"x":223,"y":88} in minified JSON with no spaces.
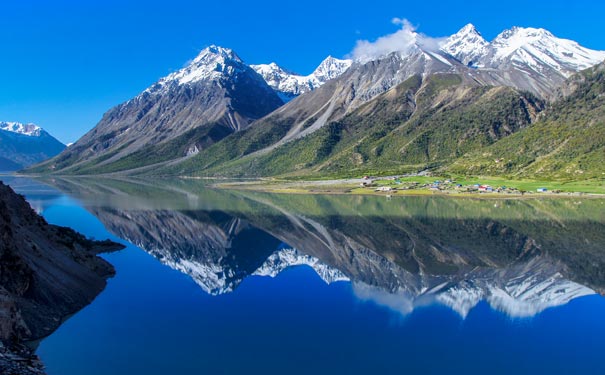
{"x":227,"y":282}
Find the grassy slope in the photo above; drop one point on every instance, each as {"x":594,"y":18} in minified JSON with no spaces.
{"x":568,"y":143}
{"x":414,"y":126}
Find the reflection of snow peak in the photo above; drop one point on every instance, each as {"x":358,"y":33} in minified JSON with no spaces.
{"x":520,"y":297}
{"x":282,"y":259}
{"x":536,"y":296}
{"x":215,"y":279}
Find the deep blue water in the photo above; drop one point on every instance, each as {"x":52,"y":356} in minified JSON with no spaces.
{"x":152,"y":319}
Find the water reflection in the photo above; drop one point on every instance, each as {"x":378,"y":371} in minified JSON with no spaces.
{"x":520,"y":256}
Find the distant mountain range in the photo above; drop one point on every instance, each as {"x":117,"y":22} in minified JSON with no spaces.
{"x":431,"y":105}
{"x":22,"y":145}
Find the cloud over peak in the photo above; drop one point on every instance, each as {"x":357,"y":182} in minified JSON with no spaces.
{"x":403,"y":41}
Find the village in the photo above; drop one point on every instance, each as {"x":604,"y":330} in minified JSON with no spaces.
{"x":397,"y":183}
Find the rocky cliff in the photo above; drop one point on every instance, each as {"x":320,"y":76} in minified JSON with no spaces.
{"x":47,"y":273}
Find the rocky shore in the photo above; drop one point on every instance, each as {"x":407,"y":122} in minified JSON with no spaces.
{"x":47,"y":273}
{"x":19,"y":360}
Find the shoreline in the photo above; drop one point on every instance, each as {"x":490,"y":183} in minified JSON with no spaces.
{"x":309,"y":187}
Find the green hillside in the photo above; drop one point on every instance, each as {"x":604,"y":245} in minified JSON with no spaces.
{"x":568,"y":143}
{"x":416,"y":125}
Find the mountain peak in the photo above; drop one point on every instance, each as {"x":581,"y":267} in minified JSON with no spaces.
{"x":30,"y":129}
{"x":539,"y":47}
{"x":469,"y":28}
{"x":331,"y":68}
{"x":467,"y":45}
{"x":214,"y":52}
{"x":212,"y":63}
{"x":288,"y":85}
{"x":22,"y":145}
{"x":526,"y":33}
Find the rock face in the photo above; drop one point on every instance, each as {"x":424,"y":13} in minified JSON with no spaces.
{"x":215,"y":95}
{"x":22,"y":145}
{"x":46,"y":274}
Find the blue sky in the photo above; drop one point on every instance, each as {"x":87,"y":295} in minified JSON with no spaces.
{"x":64,"y":63}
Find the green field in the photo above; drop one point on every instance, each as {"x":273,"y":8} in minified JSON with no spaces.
{"x":588,"y":186}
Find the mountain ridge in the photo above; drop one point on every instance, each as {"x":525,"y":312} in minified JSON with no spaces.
{"x":289,"y":85}
{"x":520,"y":59}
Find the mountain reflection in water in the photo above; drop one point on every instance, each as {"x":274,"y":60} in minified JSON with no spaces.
{"x":520,"y":256}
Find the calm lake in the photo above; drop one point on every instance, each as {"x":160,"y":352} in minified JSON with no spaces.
{"x":230,"y":282}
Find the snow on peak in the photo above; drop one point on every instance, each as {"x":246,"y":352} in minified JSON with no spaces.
{"x":469,"y":28}
{"x":528,"y":49}
{"x":214,"y":52}
{"x":511,"y":40}
{"x":211,"y":63}
{"x":331,"y":68}
{"x":30,"y":130}
{"x":273,"y":74}
{"x":523,"y":32}
{"x":467,"y":45}
{"x":290,"y":85}
{"x":539,"y":48}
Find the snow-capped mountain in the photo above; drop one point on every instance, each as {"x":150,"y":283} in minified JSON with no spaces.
{"x":467,"y":45}
{"x":214,"y":95}
{"x":30,"y":129}
{"x":331,"y":68}
{"x":22,"y":145}
{"x":527,"y":58}
{"x":217,"y":94}
{"x":538,"y":49}
{"x":289,"y":85}
{"x":213,"y":63}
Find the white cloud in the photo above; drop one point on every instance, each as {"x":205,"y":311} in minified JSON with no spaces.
{"x":402,"y":40}
{"x":402,"y":22}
